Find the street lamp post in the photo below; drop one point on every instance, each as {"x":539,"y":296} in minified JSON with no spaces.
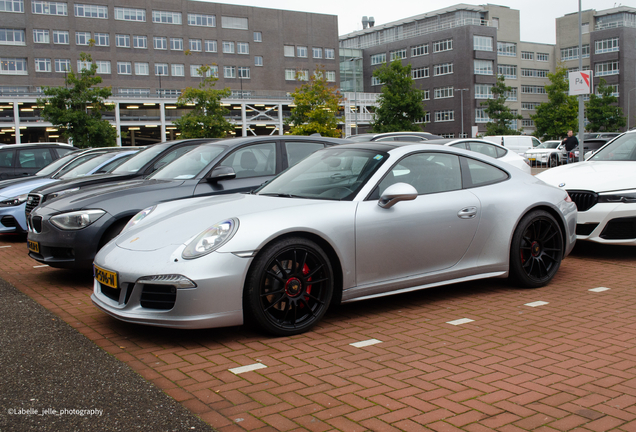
{"x":462,"y":106}
{"x":355,"y":92}
{"x":628,"y":105}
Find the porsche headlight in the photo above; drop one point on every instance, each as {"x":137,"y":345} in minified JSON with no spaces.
{"x":138,"y":217}
{"x":211,"y":239}
{"x":77,"y":219}
{"x":626,"y":196}
{"x":15,"y":201}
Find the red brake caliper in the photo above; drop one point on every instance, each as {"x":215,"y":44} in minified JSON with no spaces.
{"x":306,"y":272}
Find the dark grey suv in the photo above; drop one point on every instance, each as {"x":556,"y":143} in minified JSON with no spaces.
{"x":21,"y":160}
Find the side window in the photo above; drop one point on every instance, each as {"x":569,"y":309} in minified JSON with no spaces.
{"x":170,"y":156}
{"x":480,"y":174}
{"x":410,"y":138}
{"x":298,"y":150}
{"x":34,"y":158}
{"x":535,"y":142}
{"x":61,"y":151}
{"x":253,"y":161}
{"x":108,"y":167}
{"x":389,"y":138}
{"x":426,"y":172}
{"x":6,"y":158}
{"x":460,"y":145}
{"x":486,"y":149}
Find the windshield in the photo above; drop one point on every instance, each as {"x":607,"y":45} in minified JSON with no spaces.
{"x":57,"y":164}
{"x":189,"y":165}
{"x":135,"y":163}
{"x":87,"y":167}
{"x":622,"y":148}
{"x":549,"y":145}
{"x":331,"y":174}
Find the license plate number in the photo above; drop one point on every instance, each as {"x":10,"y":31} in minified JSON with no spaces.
{"x":105,"y":277}
{"x":33,"y":246}
{"x":531,"y":159}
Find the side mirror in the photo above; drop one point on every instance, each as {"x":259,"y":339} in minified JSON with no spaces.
{"x":396,"y":193}
{"x":221,"y":173}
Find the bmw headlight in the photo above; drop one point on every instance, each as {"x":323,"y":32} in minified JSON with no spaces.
{"x":626,"y":196}
{"x":138,"y":217}
{"x":77,"y":219}
{"x":15,"y":201}
{"x":211,"y":239}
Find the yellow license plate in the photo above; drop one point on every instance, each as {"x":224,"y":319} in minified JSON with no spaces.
{"x":105,"y":277}
{"x":531,"y":159}
{"x":33,"y":246}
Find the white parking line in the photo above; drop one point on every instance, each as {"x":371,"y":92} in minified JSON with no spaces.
{"x":365,"y":343}
{"x":2,"y":247}
{"x":537,"y":303}
{"x":460,"y":321}
{"x":248,"y":368}
{"x":40,"y":266}
{"x":599,"y":289}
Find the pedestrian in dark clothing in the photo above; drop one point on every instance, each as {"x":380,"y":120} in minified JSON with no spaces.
{"x":570,"y":143}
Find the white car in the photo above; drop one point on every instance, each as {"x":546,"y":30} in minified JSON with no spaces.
{"x":550,"y":153}
{"x":604,"y":190}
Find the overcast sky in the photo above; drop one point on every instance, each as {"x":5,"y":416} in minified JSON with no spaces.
{"x":537,"y":16}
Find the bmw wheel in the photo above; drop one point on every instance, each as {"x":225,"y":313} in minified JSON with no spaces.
{"x":289,"y":287}
{"x":537,"y":250}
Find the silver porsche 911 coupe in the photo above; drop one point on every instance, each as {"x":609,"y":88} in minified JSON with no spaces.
{"x":347,"y":223}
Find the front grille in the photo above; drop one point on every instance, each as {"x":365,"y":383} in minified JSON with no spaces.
{"x":158,"y":296}
{"x":620,"y":229}
{"x":585,"y":229}
{"x":33,"y":200}
{"x":61,"y":252}
{"x":584,"y":200}
{"x":9,"y":222}
{"x":36,"y":224}
{"x":111,"y":293}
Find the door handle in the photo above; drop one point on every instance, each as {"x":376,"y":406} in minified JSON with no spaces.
{"x":467,"y":213}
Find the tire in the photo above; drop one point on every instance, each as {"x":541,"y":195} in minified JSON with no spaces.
{"x":289,"y":287}
{"x":552,"y":162}
{"x":536,"y":251}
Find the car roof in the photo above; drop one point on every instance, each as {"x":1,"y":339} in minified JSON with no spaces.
{"x":235,"y":142}
{"x":23,"y":145}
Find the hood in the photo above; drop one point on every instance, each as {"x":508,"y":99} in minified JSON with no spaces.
{"x":597,"y":176}
{"x":80,"y":182}
{"x":24,"y":187}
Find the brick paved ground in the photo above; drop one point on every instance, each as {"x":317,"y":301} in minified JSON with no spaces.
{"x":567,"y":364}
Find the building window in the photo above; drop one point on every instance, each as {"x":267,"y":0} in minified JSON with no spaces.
{"x":425,"y":119}
{"x":301,"y":51}
{"x":62,"y":65}
{"x":129,"y":14}
{"x":242,"y":48}
{"x":419,"y":50}
{"x":527,"y":55}
{"x":195,"y":44}
{"x":142,"y":69}
{"x":140,"y":42}
{"x":507,"y":49}
{"x":91,"y":11}
{"x":84,"y":65}
{"x":508,"y":71}
{"x":229,"y":72}
{"x":481,"y":116}
{"x":534,"y":73}
{"x":243,"y":72}
{"x":614,"y":88}
{"x":47,"y":8}
{"x":482,"y":43}
{"x":12,"y":6}
{"x":177,"y":70}
{"x":572,"y":53}
{"x":201,"y":20}
{"x":377,"y":59}
{"x":234,"y":23}
{"x":316,"y":53}
{"x":483,"y":91}
{"x":214,"y":71}
{"x":42,"y":65}
{"x":60,"y":37}
{"x":303,"y":75}
{"x":606,"y":45}
{"x":375,"y":81}
{"x":398,"y":54}
{"x":330,"y":53}
{"x":258,"y":37}
{"x":124,"y":68}
{"x":444,"y":116}
{"x":527,"y":123}
{"x":585,"y":28}
{"x":511,"y":95}
{"x":419,"y":73}
{"x":161,"y":69}
{"x":443,"y":45}
{"x":82,"y":38}
{"x":443,"y":92}
{"x":163,"y":17}
{"x":543,"y":57}
{"x":133,"y":91}
{"x":528,"y":89}
{"x":176,"y":44}
{"x":606,"y":68}
{"x":258,"y":61}
{"x":102,"y":39}
{"x":290,"y":75}
{"x":160,"y":43}
{"x":525,"y":106}
{"x":483,"y":67}
{"x":331,"y":76}
{"x":228,"y":47}
{"x":122,"y":41}
{"x":427,"y":95}
{"x":210,"y":46}
{"x":443,"y":69}
{"x":103,"y":66}
{"x":39,"y":36}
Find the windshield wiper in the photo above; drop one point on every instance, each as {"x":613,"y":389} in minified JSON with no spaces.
{"x":282,"y":195}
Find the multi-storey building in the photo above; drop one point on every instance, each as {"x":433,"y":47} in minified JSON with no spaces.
{"x":149,"y":50}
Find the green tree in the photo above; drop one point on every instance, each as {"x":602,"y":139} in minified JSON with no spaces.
{"x":560,"y":114}
{"x":317,"y":104}
{"x":399,"y":104}
{"x":602,"y":111}
{"x":207,"y":118}
{"x":76,"y":109}
{"x":501,"y":116}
